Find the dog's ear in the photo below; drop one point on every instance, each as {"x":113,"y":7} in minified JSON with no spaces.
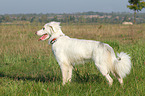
{"x":52,"y":28}
{"x":55,"y":26}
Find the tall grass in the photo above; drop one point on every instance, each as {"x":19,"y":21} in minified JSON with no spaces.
{"x":28,"y":67}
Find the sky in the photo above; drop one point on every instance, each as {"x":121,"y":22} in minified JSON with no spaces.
{"x":62,"y":6}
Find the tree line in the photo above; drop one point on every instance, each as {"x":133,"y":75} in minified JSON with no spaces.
{"x":84,"y":17}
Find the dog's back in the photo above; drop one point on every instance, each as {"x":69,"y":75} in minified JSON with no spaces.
{"x":76,"y":50}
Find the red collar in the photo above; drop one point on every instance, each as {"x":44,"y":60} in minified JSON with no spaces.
{"x":53,"y":40}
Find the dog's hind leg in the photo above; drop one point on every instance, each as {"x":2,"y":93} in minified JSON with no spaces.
{"x":120,"y":80}
{"x":105,"y":73}
{"x":109,"y":79}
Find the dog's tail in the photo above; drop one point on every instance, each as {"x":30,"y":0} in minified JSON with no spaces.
{"x":122,"y":66}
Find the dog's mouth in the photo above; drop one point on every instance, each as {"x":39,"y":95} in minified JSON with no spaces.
{"x":43,"y":37}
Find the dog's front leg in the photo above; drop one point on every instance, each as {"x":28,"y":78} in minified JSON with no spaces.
{"x":64,"y":70}
{"x":69,"y":73}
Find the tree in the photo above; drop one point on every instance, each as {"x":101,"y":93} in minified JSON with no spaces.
{"x":136,"y":5}
{"x":6,"y":18}
{"x":82,"y":19}
{"x":32,"y":19}
{"x":1,"y":19}
{"x":126,"y":19}
{"x":43,"y":19}
{"x":72,"y":19}
{"x":55,"y":18}
{"x":23,"y":18}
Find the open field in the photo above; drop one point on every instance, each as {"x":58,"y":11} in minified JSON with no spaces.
{"x":28,"y":67}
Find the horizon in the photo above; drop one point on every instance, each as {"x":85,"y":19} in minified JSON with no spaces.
{"x":63,"y":6}
{"x":71,"y":13}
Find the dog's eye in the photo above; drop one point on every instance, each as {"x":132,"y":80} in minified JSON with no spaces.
{"x":43,"y":28}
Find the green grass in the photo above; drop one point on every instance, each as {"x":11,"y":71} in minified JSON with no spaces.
{"x":28,"y":67}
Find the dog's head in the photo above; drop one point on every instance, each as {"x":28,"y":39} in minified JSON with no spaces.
{"x":48,"y":30}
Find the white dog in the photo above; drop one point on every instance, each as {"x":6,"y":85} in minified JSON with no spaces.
{"x":69,"y":51}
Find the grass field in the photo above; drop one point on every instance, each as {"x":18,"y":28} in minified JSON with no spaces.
{"x":28,"y":67}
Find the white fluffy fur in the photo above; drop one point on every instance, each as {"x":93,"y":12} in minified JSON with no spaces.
{"x":123,"y":66}
{"x":70,"y":51}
